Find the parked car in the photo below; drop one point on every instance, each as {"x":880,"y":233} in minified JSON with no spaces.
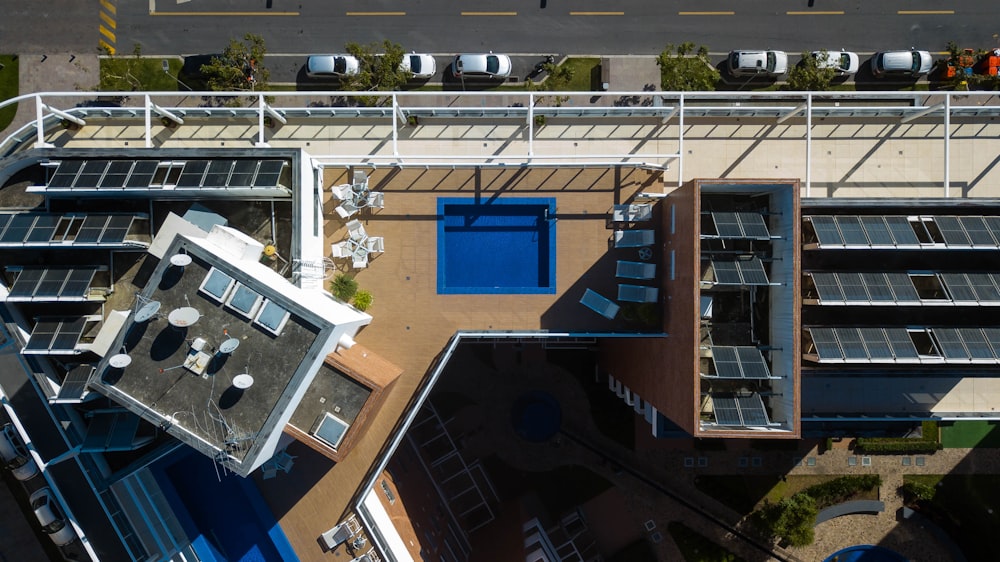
{"x":331,"y":66}
{"x":50,"y":516}
{"x":15,"y":455}
{"x":911,"y":63}
{"x":844,"y":62}
{"x":486,"y":65}
{"x":757,"y":63}
{"x":418,"y":66}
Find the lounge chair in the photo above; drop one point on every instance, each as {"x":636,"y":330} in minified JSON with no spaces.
{"x":599,"y":304}
{"x":636,"y":270}
{"x":376,"y":200}
{"x":637,"y":293}
{"x":633,"y":238}
{"x":341,"y":192}
{"x":356,"y":230}
{"x":632,"y":213}
{"x":360,"y":263}
{"x":346,"y":209}
{"x":340,"y":250}
{"x":375,"y":244}
{"x":360,"y":178}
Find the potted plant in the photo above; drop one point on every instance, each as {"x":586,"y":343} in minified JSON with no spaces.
{"x":362,"y":300}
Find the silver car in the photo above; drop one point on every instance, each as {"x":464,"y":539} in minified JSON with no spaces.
{"x":757,"y":63}
{"x":911,"y":63}
{"x":15,"y":455}
{"x":331,"y":66}
{"x":843,"y":62}
{"x":50,"y":516}
{"x":487,"y":65}
{"x":418,"y":66}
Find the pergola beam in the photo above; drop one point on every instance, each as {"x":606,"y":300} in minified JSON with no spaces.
{"x":922,"y":113}
{"x":798,"y":109}
{"x":63,"y":115}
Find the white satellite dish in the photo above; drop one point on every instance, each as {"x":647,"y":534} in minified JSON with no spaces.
{"x":147,"y":311}
{"x":243,"y":381}
{"x":120,"y":361}
{"x":180,"y":260}
{"x":229,"y":345}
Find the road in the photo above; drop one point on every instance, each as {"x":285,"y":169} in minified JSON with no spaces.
{"x":539,"y":26}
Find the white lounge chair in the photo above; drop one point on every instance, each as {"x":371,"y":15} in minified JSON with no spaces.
{"x":346,"y":209}
{"x":635,"y":212}
{"x":360,"y":178}
{"x":340,"y":250}
{"x":599,"y":304}
{"x":636,"y":270}
{"x":637,"y":293}
{"x":341,"y":192}
{"x":356,"y":230}
{"x":360,"y":263}
{"x":633,"y":238}
{"x":376,"y":200}
{"x":375,"y":244}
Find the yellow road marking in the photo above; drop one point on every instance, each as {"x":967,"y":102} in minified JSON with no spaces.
{"x":107,"y":33}
{"x":597,"y":13}
{"x":926,"y":12}
{"x":223,"y":13}
{"x":109,"y":7}
{"x":110,"y":49}
{"x":706,"y":13}
{"x":108,"y":20}
{"x":376,"y":13}
{"x":489,"y":13}
{"x":815,"y":13}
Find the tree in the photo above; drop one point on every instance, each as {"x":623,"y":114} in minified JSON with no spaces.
{"x":792,"y":519}
{"x":809,"y":76}
{"x":378,"y":72}
{"x":558,"y":78}
{"x":240,"y":67}
{"x":121,"y":74}
{"x":680,"y":71}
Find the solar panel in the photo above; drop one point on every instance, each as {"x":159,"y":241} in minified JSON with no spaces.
{"x":78,"y":283}
{"x":142,"y":173}
{"x":952,"y":231}
{"x":850,"y":228}
{"x":91,"y":174}
{"x":117,"y":173}
{"x":752,"y":271}
{"x":828,"y":287}
{"x":901,"y":343}
{"x":727,"y":273}
{"x":217,"y":284}
{"x":993,"y":224}
{"x":91,"y":229}
{"x":74,"y":386}
{"x":826,"y":231}
{"x":852,"y":344}
{"x":950,"y":343}
{"x":878,"y":287}
{"x":727,"y":364}
{"x":18,"y":228}
{"x":68,"y":335}
{"x":752,"y":410}
{"x":218,"y":173}
{"x":244,"y":299}
{"x":993,"y":338}
{"x":43,"y":229}
{"x":332,"y":429}
{"x":727,"y":225}
{"x":269,"y":173}
{"x":65,"y":175}
{"x":902,"y":287}
{"x":977,"y":230}
{"x":752,"y":363}
{"x":854,"y":288}
{"x":958,"y":286}
{"x":753,"y":226}
{"x":26,"y":282}
{"x":272,"y":316}
{"x":4,"y":221}
{"x":976,"y":344}
{"x":193,"y":173}
{"x":984,"y":285}
{"x":826,"y":344}
{"x":243,"y":173}
{"x":877,"y":231}
{"x":42,"y":335}
{"x":876,"y":343}
{"x":726,"y":411}
{"x":902,"y":231}
{"x":117,"y":229}
{"x":51,"y":283}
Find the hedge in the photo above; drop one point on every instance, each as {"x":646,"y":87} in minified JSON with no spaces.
{"x":841,"y":489}
{"x":901,"y":445}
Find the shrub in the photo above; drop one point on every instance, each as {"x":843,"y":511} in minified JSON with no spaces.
{"x":895,"y":445}
{"x":343,"y":287}
{"x":929,"y":430}
{"x":841,"y":489}
{"x":686,"y":69}
{"x":809,"y":76}
{"x":916,"y":491}
{"x":791,"y":520}
{"x":828,"y":444}
{"x":362,"y":300}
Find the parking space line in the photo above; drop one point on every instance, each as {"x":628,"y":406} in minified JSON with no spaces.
{"x":489,"y":13}
{"x":926,"y":12}
{"x":706,"y":13}
{"x":376,"y":13}
{"x":840,"y":13}
{"x":223,"y":13}
{"x":597,"y":13}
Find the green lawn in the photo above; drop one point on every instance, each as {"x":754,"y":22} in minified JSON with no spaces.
{"x":969,"y":434}
{"x":745,"y":493}
{"x":968,"y":507}
{"x":698,"y":548}
{"x":586,"y":74}
{"x":127,"y":73}
{"x":8,"y":88}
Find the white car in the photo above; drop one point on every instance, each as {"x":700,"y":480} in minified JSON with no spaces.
{"x":485,"y":65}
{"x":51,"y":517}
{"x":844,"y":62}
{"x":757,"y":63}
{"x":331,"y":66}
{"x":418,"y":66}
{"x":911,"y":63}
{"x":15,"y":455}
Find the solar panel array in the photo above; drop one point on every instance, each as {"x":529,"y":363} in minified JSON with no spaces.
{"x":900,"y":232}
{"x":969,"y":344}
{"x":74,"y":386}
{"x":217,"y":285}
{"x":740,"y":271}
{"x":55,"y":335}
{"x":741,"y":226}
{"x":19,"y":229}
{"x":739,"y":362}
{"x":143,"y":174}
{"x":873,"y":288}
{"x":972,"y":287}
{"x":244,"y":300}
{"x":740,"y":411}
{"x":862,"y":345}
{"x":52,"y":284}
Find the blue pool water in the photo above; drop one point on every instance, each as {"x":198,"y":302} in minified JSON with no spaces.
{"x":226,"y":520}
{"x":866,"y":553}
{"x":499,"y":246}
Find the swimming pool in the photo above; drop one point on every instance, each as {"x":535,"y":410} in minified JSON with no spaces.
{"x":865,"y":553}
{"x":498,"y":246}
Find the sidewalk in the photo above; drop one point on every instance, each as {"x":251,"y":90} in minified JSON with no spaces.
{"x":56,"y":73}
